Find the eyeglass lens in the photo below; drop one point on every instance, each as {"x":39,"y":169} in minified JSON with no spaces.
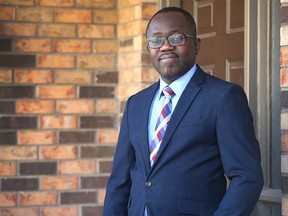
{"x":174,"y":40}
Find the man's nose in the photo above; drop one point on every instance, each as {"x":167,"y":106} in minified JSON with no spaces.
{"x":166,"y":45}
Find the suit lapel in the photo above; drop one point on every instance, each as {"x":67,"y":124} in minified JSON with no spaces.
{"x":147,"y":104}
{"x":187,"y":97}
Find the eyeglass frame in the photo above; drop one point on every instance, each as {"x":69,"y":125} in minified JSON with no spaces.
{"x":167,"y":38}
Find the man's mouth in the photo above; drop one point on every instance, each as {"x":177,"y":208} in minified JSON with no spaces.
{"x":167,"y":56}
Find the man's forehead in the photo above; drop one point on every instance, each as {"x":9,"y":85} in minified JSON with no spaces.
{"x":167,"y":15}
{"x":166,"y":24}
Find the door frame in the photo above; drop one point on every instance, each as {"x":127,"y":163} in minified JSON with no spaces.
{"x":262,"y":78}
{"x":261,"y":65}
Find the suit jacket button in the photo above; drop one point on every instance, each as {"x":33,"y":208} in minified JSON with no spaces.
{"x":148,"y":184}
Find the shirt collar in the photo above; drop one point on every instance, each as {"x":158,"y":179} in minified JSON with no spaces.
{"x":179,"y":84}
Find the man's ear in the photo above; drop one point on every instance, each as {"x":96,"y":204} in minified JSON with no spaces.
{"x":197,"y":45}
{"x":148,"y":49}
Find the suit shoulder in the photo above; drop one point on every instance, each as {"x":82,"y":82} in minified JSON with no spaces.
{"x":220,"y":83}
{"x":204,"y":78}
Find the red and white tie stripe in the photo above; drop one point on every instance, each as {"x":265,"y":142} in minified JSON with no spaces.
{"x":161,"y":124}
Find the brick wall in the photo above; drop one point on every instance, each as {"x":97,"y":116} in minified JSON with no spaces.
{"x":135,"y":71}
{"x":58,"y":105}
{"x":284,"y":102}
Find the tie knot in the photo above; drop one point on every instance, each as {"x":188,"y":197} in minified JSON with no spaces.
{"x":168,"y":92}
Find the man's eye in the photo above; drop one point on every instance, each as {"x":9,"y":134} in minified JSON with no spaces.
{"x":155,"y":40}
{"x":176,"y":37}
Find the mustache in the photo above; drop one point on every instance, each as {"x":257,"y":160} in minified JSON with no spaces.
{"x":167,"y":55}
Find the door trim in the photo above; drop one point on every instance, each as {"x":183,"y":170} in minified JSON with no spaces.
{"x":262,"y":78}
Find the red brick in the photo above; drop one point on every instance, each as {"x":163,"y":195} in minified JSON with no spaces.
{"x":95,"y":3}
{"x":7,"y":200}
{"x":284,"y":122}
{"x":284,"y":142}
{"x":7,"y":13}
{"x":98,"y":61}
{"x":35,"y":106}
{"x":58,"y":122}
{"x":127,"y":14}
{"x":33,"y":45}
{"x":57,"y":92}
{"x":76,"y":77}
{"x":34,"y":14}
{"x":124,"y":91}
{"x":60,"y":211}
{"x":7,"y":169}
{"x":129,"y":60}
{"x":17,"y":2}
{"x":58,"y":152}
{"x":75,"y":106}
{"x":73,"y":46}
{"x":77,"y":167}
{"x":105,"y":46}
{"x":37,"y":137}
{"x":5,"y":76}
{"x":284,"y":56}
{"x":18,"y":153}
{"x":73,"y":16}
{"x":106,"y":136}
{"x":102,"y":194}
{"x":56,"y":3}
{"x":17,"y":29}
{"x":38,"y":199}
{"x":20,"y":212}
{"x":131,"y":29}
{"x":149,"y":75}
{"x":57,"y":30}
{"x":33,"y":76}
{"x":96,"y":31}
{"x":106,"y":106}
{"x":147,"y":10}
{"x":59,"y":183}
{"x":127,"y":3}
{"x":106,"y":16}
{"x":56,"y":61}
{"x":284,"y":78}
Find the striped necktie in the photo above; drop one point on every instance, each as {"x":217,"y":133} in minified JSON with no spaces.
{"x":161,"y":124}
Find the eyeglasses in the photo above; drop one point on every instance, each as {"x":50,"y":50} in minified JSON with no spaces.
{"x":174,"y":40}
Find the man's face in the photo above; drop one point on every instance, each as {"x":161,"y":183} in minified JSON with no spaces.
{"x":171,"y":62}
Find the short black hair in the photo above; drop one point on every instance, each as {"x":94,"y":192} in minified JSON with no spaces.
{"x":188,"y":16}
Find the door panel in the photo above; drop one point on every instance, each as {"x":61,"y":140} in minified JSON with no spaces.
{"x":218,"y":19}
{"x":221,"y":30}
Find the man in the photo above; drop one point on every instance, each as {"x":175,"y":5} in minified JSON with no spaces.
{"x":204,"y":133}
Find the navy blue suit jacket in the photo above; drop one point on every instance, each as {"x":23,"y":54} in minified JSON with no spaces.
{"x":210,"y":135}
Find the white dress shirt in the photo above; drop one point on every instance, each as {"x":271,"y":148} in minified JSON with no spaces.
{"x":178,"y":87}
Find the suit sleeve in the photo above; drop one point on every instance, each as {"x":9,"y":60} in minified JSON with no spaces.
{"x":118,"y":187}
{"x":240,"y":154}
